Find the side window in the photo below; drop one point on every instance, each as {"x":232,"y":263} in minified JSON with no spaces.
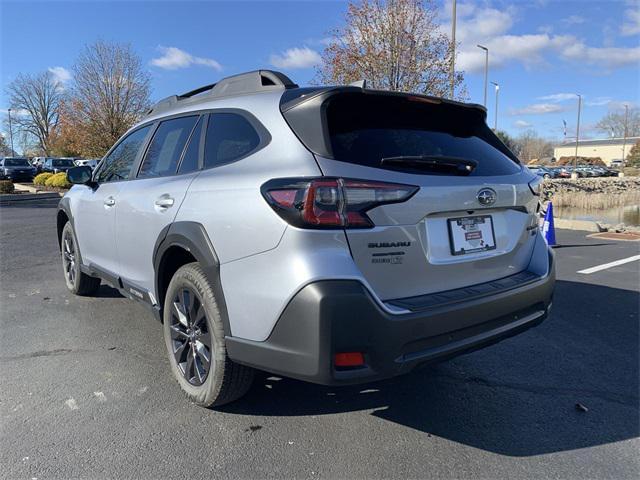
{"x":117,"y":165}
{"x":166,"y":147}
{"x":190,"y":159}
{"x":230,"y":136}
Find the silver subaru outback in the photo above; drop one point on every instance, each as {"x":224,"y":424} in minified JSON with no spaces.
{"x":336,"y":235}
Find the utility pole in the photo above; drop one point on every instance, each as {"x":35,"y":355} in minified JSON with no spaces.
{"x":486,"y":72}
{"x":574,"y":174}
{"x":495,"y":121}
{"x":452,"y":73}
{"x":11,"y":134}
{"x":624,"y":139}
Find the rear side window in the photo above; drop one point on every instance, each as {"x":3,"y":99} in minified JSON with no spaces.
{"x":117,"y":165}
{"x":412,"y":134}
{"x":165,"y":149}
{"x":230,"y":136}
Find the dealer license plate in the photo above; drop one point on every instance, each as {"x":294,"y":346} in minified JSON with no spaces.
{"x":471,"y":234}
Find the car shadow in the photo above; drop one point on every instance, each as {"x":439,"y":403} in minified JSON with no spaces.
{"x":517,"y":398}
{"x":105,"y":291}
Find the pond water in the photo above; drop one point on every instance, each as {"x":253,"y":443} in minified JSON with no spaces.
{"x":629,"y":215}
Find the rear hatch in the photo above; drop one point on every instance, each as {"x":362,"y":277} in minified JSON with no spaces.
{"x":471,"y":221}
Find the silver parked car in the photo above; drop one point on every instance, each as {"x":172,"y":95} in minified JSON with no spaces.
{"x":337,"y":235}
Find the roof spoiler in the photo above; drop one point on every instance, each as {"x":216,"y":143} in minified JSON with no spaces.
{"x":243,"y":83}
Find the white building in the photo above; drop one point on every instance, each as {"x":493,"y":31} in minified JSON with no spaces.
{"x":608,"y":149}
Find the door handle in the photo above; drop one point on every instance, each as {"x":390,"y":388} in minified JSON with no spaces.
{"x":165,"y":201}
{"x":109,"y":202}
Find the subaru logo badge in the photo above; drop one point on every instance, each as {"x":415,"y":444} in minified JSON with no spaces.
{"x":486,"y":197}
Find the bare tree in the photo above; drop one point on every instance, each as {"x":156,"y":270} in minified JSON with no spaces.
{"x":394,"y":44}
{"x":529,"y":146}
{"x":110,"y":94}
{"x":612,"y":124}
{"x":36,"y":100}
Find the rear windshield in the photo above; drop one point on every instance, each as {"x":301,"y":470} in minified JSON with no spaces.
{"x":364,"y":129}
{"x":15,"y":162}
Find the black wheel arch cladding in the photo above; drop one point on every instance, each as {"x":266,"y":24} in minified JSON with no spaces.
{"x":191,"y":237}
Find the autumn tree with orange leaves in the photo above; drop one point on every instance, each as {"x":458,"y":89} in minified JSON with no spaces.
{"x":395,"y":45}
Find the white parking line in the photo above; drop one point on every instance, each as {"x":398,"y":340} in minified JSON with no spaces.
{"x":604,"y":266}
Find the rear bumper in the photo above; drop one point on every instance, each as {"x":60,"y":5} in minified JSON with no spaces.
{"x":329,"y":317}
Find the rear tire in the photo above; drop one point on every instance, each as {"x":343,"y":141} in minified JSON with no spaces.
{"x":194,"y":337}
{"x":77,"y":282}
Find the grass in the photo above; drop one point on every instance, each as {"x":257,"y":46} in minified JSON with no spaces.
{"x":596,"y":201}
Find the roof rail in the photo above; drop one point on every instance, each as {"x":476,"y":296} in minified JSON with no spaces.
{"x":250,"y":82}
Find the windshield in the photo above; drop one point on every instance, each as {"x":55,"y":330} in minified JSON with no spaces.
{"x":364,"y":129}
{"x":16,"y":162}
{"x":62,"y":163}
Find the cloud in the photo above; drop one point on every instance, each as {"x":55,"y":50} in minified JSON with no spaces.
{"x":558,"y":97}
{"x":522,"y":124}
{"x":173,"y":58}
{"x":573,"y":20}
{"x":296,"y":58}
{"x":608,"y":57}
{"x":538,"y":109}
{"x":631,"y":26}
{"x":478,"y":23}
{"x":60,"y":74}
{"x":598,"y":102}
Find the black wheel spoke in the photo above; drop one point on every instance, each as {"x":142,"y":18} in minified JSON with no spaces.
{"x":181,"y":351}
{"x":188,"y":371}
{"x":178,"y":332}
{"x":199,"y":317}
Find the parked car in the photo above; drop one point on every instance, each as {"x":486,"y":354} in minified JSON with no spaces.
{"x":16,"y":169}
{"x":38,"y":163}
{"x":57,"y":165}
{"x":561,"y":172}
{"x":91,"y":162}
{"x":336,"y":235}
{"x":542,"y":171}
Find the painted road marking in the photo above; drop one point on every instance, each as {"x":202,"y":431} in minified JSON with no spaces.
{"x":604,"y":266}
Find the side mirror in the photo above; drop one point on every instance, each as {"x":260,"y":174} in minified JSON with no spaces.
{"x":79,"y":175}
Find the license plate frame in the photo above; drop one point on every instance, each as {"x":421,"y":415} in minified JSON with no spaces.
{"x":460,"y":237}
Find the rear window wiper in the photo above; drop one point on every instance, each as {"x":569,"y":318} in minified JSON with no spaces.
{"x":436,"y":163}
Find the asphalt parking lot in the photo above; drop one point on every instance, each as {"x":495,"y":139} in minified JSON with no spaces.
{"x":86,"y":390}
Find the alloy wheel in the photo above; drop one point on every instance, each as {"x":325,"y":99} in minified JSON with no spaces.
{"x":69,"y":258}
{"x":190,"y":336}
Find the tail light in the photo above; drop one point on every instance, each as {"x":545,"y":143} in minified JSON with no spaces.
{"x":331,"y":202}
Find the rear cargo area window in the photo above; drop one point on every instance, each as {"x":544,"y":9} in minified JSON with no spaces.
{"x":364,"y":129}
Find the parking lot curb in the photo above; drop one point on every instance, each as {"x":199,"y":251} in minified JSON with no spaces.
{"x":583,"y":225}
{"x":23,"y":197}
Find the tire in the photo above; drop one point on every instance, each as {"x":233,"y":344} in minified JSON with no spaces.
{"x":77,"y":282}
{"x":193,"y":331}
{"x":546,"y":176}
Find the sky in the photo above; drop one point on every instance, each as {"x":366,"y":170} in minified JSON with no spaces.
{"x":541,"y":52}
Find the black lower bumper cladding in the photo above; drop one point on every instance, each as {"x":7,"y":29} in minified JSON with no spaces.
{"x":330,"y":317}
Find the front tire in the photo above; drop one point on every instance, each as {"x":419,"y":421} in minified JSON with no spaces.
{"x":77,"y":282}
{"x":194,"y":337}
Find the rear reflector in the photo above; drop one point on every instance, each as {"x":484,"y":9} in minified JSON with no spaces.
{"x":350,"y":359}
{"x":331,"y":202}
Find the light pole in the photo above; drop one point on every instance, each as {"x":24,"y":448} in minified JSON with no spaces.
{"x":452,"y":73}
{"x":624,"y":139}
{"x":574,"y":174}
{"x":486,"y":72}
{"x":495,"y":121}
{"x":11,"y":133}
